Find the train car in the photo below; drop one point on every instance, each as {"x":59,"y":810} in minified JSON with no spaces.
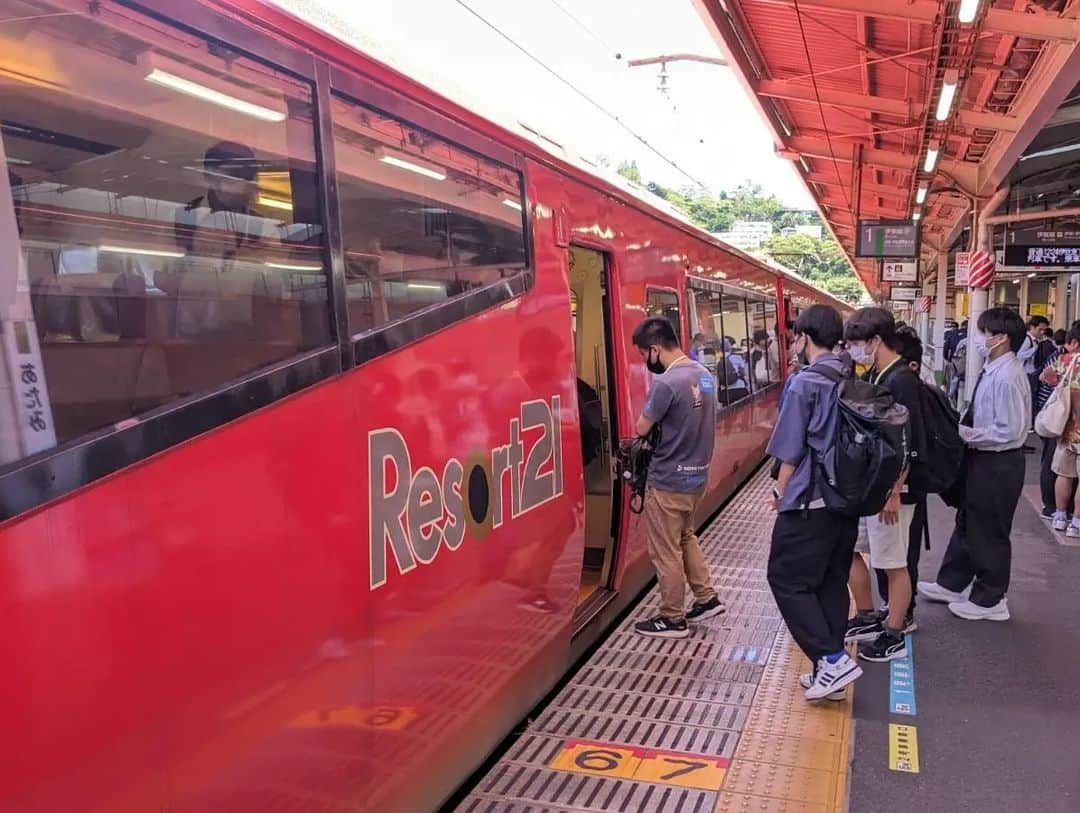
{"x":311,"y":384}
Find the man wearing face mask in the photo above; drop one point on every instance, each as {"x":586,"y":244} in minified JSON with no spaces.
{"x":873,"y":342}
{"x":682,"y":401}
{"x":811,"y":550}
{"x":974,"y":576}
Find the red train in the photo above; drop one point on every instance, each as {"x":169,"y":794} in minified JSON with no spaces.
{"x":311,"y":382}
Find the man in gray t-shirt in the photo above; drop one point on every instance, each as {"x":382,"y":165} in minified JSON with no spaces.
{"x":682,"y":402}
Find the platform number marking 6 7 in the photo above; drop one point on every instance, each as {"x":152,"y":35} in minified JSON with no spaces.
{"x":641,"y":764}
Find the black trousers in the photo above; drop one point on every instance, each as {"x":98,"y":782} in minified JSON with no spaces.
{"x":980,"y":549}
{"x":1047,"y":478}
{"x":808,"y":573}
{"x":914,"y":551}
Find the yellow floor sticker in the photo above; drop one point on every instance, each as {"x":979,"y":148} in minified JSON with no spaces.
{"x":903,"y":748}
{"x":641,"y":764}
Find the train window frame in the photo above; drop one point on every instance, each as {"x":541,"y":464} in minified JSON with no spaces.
{"x":367,"y":345}
{"x":30,"y":482}
{"x":674,"y":294}
{"x":695,"y":285}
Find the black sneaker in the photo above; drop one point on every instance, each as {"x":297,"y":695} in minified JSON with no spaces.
{"x":885,"y":647}
{"x":705,"y":609}
{"x":660,"y":627}
{"x":1047,"y":514}
{"x":860,"y":628}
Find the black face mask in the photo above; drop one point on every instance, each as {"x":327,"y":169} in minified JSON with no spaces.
{"x":655,"y":367}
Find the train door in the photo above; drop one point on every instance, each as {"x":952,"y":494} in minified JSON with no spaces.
{"x":596,"y":403}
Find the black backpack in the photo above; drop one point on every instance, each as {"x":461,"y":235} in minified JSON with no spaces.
{"x":939,"y":468}
{"x":869,"y":447}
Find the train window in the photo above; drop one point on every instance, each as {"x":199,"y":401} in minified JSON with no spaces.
{"x":423,"y":220}
{"x":158,"y":222}
{"x":735,"y":349}
{"x":664,"y":303}
{"x":760,"y":376}
{"x":705,"y":343}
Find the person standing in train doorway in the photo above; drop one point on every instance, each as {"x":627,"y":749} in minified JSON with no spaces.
{"x":974,"y":575}
{"x":812,"y":547}
{"x":682,"y":403}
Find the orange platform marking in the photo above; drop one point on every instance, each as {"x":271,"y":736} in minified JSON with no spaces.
{"x":641,"y":764}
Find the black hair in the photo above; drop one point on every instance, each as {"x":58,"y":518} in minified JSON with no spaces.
{"x":909,"y":345}
{"x":761,"y":336}
{"x":1004,"y":322}
{"x":1072,"y":336}
{"x":963,"y":325}
{"x":1035,"y":321}
{"x":822,"y":325}
{"x":866,"y":323}
{"x":655,"y":330}
{"x":1060,"y":337}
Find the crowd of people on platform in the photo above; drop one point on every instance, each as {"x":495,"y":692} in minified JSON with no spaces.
{"x":817,"y":570}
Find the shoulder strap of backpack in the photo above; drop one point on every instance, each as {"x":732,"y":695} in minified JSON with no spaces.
{"x":834,"y":376}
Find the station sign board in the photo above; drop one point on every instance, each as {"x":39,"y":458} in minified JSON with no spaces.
{"x":963,"y":269}
{"x":897,"y":239}
{"x":1057,"y":246}
{"x":904,"y":294}
{"x":899,"y":270}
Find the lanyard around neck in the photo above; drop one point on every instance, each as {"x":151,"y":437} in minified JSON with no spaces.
{"x":883,"y":373}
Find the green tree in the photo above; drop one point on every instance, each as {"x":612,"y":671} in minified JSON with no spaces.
{"x":630,"y":171}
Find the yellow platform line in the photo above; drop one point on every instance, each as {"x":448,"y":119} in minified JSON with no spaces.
{"x":792,"y":756}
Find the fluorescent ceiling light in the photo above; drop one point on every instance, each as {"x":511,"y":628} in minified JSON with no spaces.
{"x":186,"y":86}
{"x":293,"y":266}
{"x":274,"y":203}
{"x":920,"y":196}
{"x":968,"y":10}
{"x":1031,"y":276}
{"x":513,"y":204}
{"x":425,"y":286}
{"x":916,"y":215}
{"x":948,"y":93}
{"x":142,"y":252}
{"x":412,"y":165}
{"x":932,"y":156}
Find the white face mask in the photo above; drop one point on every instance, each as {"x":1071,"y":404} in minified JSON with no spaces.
{"x":861,"y":354}
{"x":984,"y":349}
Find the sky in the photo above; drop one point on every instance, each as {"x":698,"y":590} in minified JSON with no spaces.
{"x":706,"y":124}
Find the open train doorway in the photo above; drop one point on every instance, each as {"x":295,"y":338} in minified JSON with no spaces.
{"x":596,"y":403}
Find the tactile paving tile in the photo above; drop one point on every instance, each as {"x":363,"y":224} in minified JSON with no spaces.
{"x":728,"y":692}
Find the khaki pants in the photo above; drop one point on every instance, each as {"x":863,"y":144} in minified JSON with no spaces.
{"x":673,"y":548}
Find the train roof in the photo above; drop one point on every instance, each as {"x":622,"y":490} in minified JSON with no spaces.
{"x":337,"y":41}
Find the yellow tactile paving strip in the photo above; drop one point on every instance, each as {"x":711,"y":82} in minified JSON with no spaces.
{"x":717,"y":721}
{"x":791,"y":755}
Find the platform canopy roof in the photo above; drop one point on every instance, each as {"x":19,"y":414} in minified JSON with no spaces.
{"x":852,"y":90}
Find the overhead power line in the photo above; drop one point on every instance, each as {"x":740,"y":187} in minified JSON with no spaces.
{"x":615,"y":52}
{"x":610,"y":114}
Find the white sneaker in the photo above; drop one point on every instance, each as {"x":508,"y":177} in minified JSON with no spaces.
{"x":1060,"y":521}
{"x":806,"y":680}
{"x":1074,"y":531}
{"x":973,"y":612}
{"x":832,"y":677}
{"x":932,"y":591}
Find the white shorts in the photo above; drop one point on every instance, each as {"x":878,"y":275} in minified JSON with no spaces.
{"x":887,"y":544}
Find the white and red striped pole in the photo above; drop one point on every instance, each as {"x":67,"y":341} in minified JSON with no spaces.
{"x":979,"y":282}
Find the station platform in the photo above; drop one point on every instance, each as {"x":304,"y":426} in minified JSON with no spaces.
{"x":982,"y":715}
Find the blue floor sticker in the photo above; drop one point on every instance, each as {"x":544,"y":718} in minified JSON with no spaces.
{"x":902,"y":682}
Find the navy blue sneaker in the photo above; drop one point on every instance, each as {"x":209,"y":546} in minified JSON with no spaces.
{"x":705,"y":609}
{"x":660,"y":627}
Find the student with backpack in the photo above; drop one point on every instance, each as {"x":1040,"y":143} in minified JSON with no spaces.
{"x":873,"y":342}
{"x":974,"y":575}
{"x":825,"y":449}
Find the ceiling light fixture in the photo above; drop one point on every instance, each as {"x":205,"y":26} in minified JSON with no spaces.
{"x":513,"y":204}
{"x":274,"y":203}
{"x":142,"y":252}
{"x":948,"y":93}
{"x":413,"y":165}
{"x":968,"y":10}
{"x":425,"y":286}
{"x":932,"y":156}
{"x":186,"y":86}
{"x":920,"y":196}
{"x":293,"y":266}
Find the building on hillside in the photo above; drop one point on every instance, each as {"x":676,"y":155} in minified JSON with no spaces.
{"x":747,"y":235}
